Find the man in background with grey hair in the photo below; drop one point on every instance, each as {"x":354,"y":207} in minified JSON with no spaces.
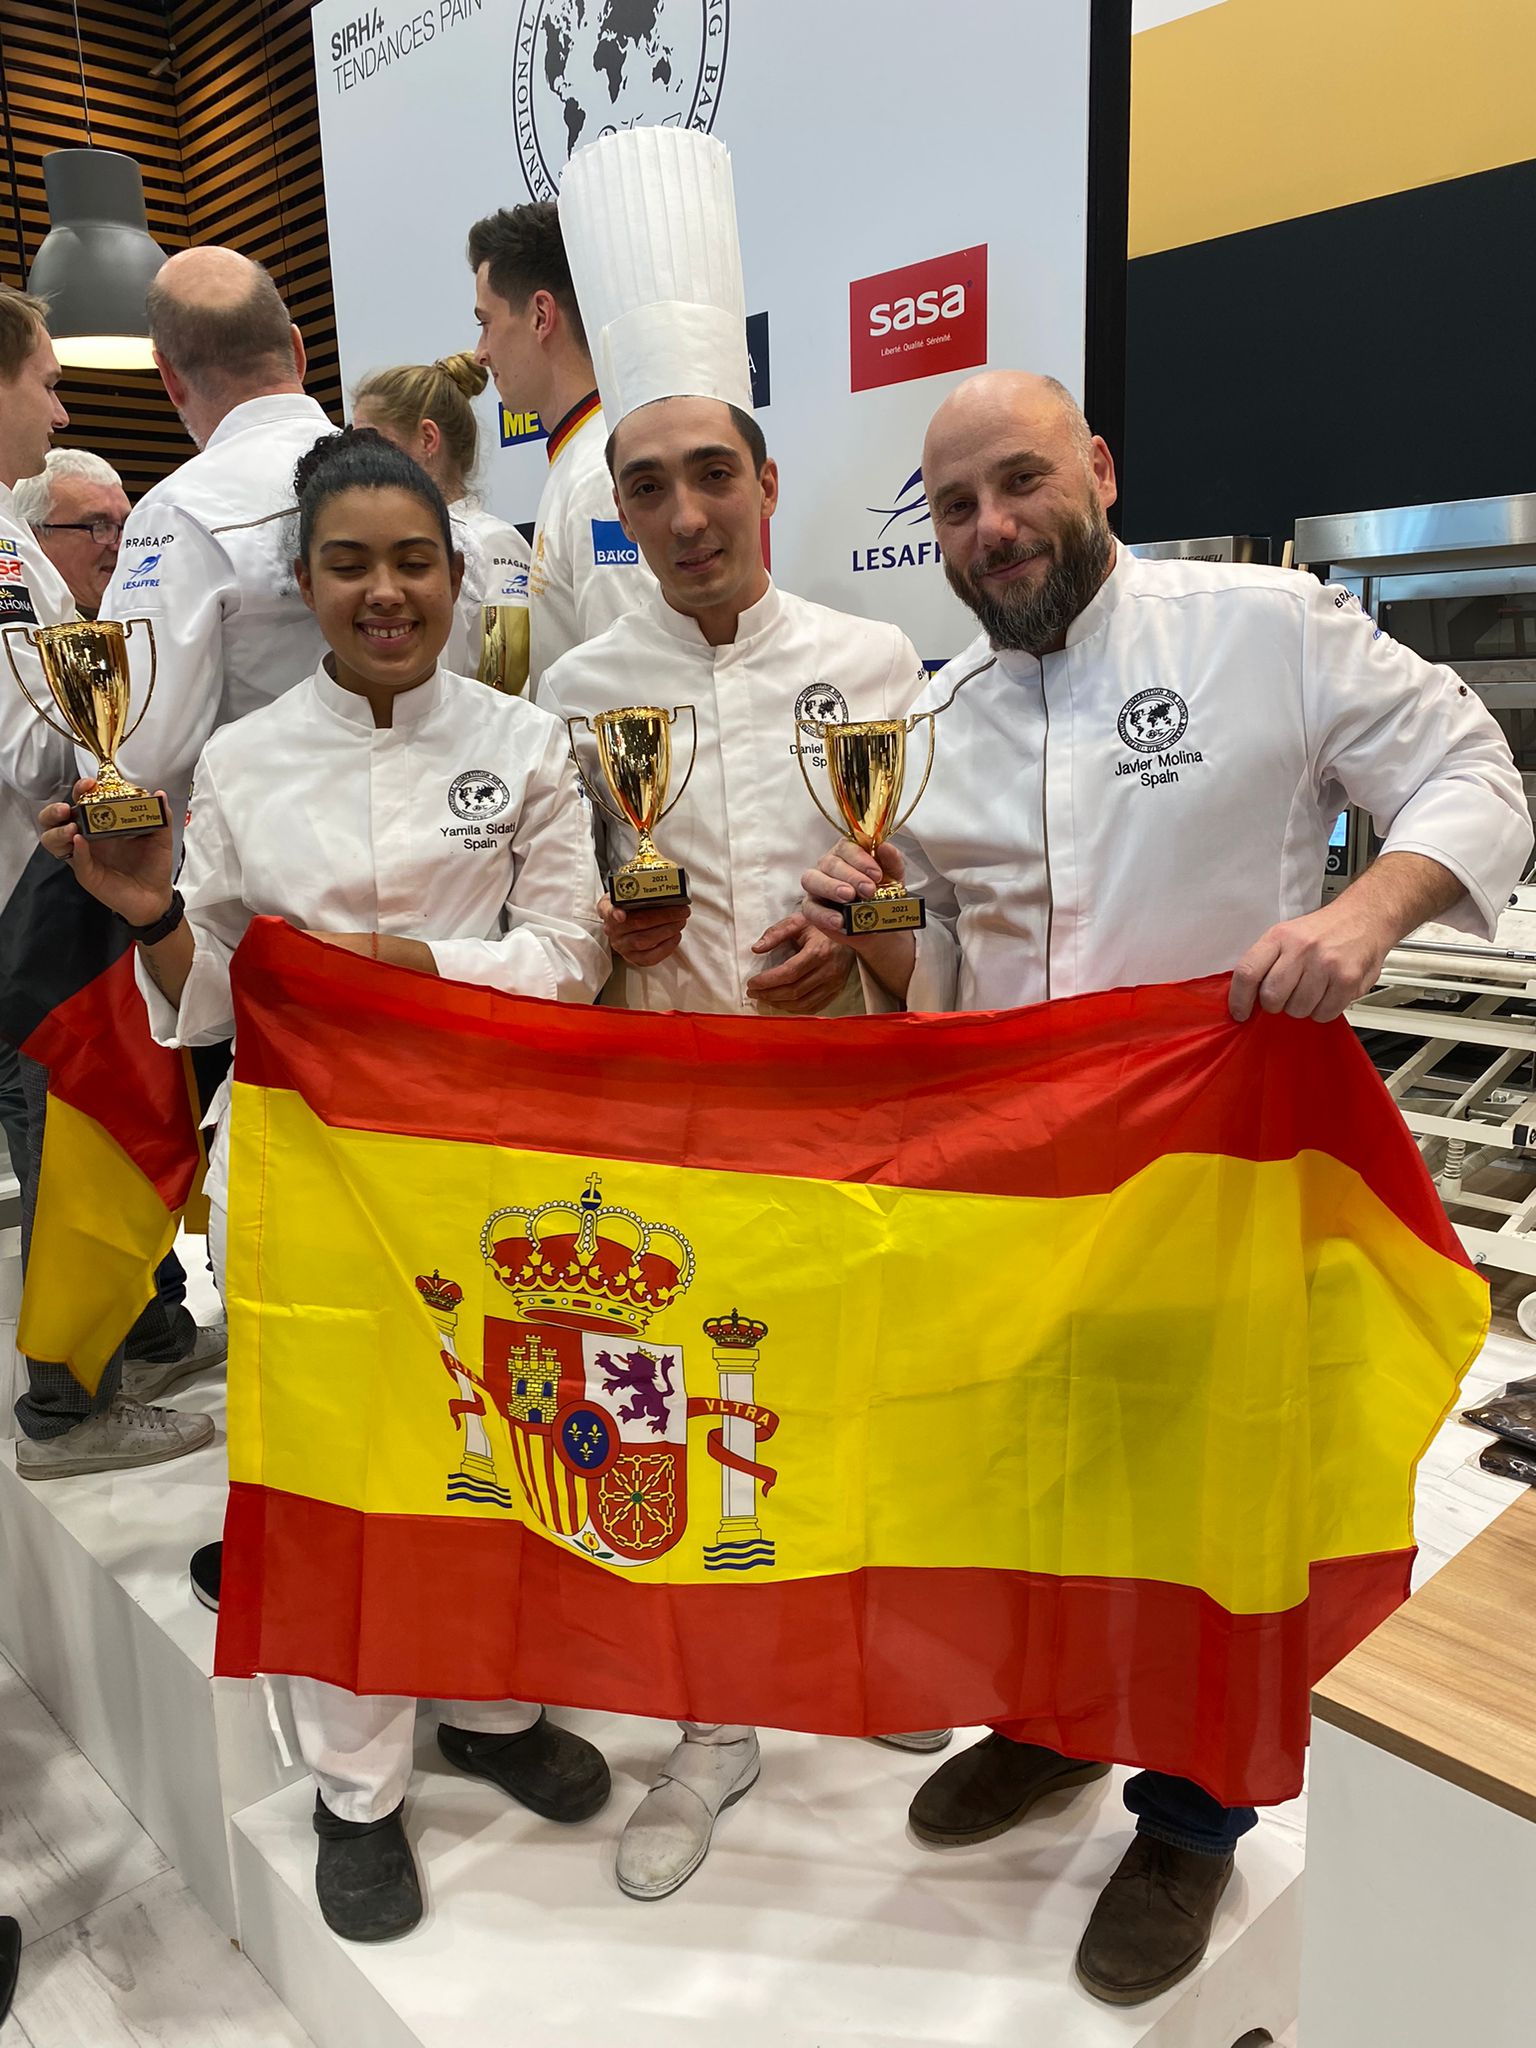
{"x":77,"y":507}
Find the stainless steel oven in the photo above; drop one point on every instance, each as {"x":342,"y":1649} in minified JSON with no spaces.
{"x":1216,"y":547}
{"x":1457,"y":584}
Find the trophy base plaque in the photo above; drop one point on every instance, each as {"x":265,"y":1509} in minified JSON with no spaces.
{"x":124,"y":815}
{"x":666,"y":882}
{"x":884,"y":914}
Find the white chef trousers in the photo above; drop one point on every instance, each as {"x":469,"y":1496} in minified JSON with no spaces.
{"x":713,"y":1731}
{"x":359,"y":1745}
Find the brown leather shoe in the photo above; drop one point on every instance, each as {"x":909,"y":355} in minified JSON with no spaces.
{"x":984,"y":1790}
{"x":1152,"y":1922}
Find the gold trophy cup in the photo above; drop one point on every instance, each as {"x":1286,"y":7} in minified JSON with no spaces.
{"x":634,"y":751}
{"x":85,"y":665}
{"x":867,"y":767}
{"x":504,"y":647}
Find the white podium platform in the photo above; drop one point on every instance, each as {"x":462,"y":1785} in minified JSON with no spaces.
{"x":97,"y":1614}
{"x":818,"y":1921}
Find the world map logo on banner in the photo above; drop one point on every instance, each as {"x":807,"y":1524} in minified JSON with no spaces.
{"x":582,"y":69}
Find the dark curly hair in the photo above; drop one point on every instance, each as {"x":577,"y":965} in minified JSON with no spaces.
{"x":360,"y":459}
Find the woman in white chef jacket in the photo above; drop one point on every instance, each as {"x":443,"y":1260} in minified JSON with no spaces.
{"x":283,"y":823}
{"x":425,"y":409}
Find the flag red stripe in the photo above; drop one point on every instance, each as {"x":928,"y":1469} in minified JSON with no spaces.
{"x":102,"y":1061}
{"x":1117,"y":1080}
{"x":1204,"y":1694}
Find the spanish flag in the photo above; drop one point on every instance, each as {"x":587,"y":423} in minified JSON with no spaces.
{"x":121,"y":1153}
{"x":1068,"y":1366}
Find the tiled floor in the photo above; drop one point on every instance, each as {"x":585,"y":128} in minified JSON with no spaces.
{"x":118,"y":1952}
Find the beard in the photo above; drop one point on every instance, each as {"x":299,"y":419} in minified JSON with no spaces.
{"x":1031,"y":619}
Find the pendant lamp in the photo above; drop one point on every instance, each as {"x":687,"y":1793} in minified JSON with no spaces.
{"x":98,"y":256}
{"x":96,"y":261}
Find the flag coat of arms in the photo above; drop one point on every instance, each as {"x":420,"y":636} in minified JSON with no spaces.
{"x":1066,"y":1366}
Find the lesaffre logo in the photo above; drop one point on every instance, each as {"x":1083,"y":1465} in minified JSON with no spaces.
{"x":582,"y":69}
{"x":918,"y":321}
{"x":141,"y":575}
{"x":612,"y":547}
{"x":517,"y":427}
{"x":894,"y":546}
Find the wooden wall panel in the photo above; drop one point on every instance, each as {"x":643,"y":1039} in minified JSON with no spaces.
{"x":123,"y":415}
{"x":215,"y":99}
{"x":250,"y":142}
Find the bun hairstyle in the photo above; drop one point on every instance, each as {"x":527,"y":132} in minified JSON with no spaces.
{"x":360,"y":459}
{"x":440,"y":391}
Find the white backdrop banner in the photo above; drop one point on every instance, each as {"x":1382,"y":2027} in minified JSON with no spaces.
{"x":912,"y":191}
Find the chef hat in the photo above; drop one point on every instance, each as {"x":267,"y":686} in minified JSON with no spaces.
{"x":648,"y":217}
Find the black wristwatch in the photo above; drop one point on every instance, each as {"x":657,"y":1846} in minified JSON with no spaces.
{"x":164,"y":924}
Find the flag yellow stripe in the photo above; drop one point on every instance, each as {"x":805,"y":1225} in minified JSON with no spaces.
{"x":1106,"y":1385}
{"x":98,"y":1234}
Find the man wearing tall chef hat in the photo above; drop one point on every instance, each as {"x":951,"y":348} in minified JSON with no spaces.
{"x":584,"y":573}
{"x":649,"y":223}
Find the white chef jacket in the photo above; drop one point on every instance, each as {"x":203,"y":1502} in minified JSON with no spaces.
{"x":207,"y":555}
{"x":496,"y":559}
{"x":584,"y":574}
{"x":36,"y":764}
{"x":460,"y":825}
{"x":1145,"y":804}
{"x":745,"y":828}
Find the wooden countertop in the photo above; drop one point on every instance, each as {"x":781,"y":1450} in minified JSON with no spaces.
{"x":1449,"y":1681}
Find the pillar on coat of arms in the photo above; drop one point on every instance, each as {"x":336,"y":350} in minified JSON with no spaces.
{"x":475,"y":1477}
{"x":739,"y":1543}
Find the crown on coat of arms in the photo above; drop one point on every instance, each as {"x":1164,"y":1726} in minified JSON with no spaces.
{"x":586,"y":1264}
{"x":437,"y":1292}
{"x":735,"y":1332}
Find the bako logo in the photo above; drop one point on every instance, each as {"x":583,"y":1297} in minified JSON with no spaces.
{"x":902,"y":519}
{"x":612,"y":547}
{"x":581,"y":71}
{"x":918,"y":321}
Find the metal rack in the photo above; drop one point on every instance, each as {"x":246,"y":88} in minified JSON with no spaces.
{"x":1452,"y":1029}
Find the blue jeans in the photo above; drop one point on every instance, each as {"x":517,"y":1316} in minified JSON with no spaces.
{"x":1173,"y":1810}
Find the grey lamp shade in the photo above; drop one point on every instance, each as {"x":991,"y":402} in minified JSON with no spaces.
{"x":97,"y":260}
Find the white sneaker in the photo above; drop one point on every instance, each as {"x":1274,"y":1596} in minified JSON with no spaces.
{"x":117,"y":1439}
{"x":925,"y":1743}
{"x":668,"y":1834}
{"x":145,"y":1381}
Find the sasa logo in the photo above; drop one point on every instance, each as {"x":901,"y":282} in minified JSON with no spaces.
{"x":919,"y":320}
{"x":893,"y":315}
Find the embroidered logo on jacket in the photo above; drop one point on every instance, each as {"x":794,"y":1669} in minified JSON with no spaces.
{"x":612,"y":547}
{"x":141,"y":575}
{"x":1154,"y":720}
{"x":478,"y":795}
{"x":824,"y":703}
